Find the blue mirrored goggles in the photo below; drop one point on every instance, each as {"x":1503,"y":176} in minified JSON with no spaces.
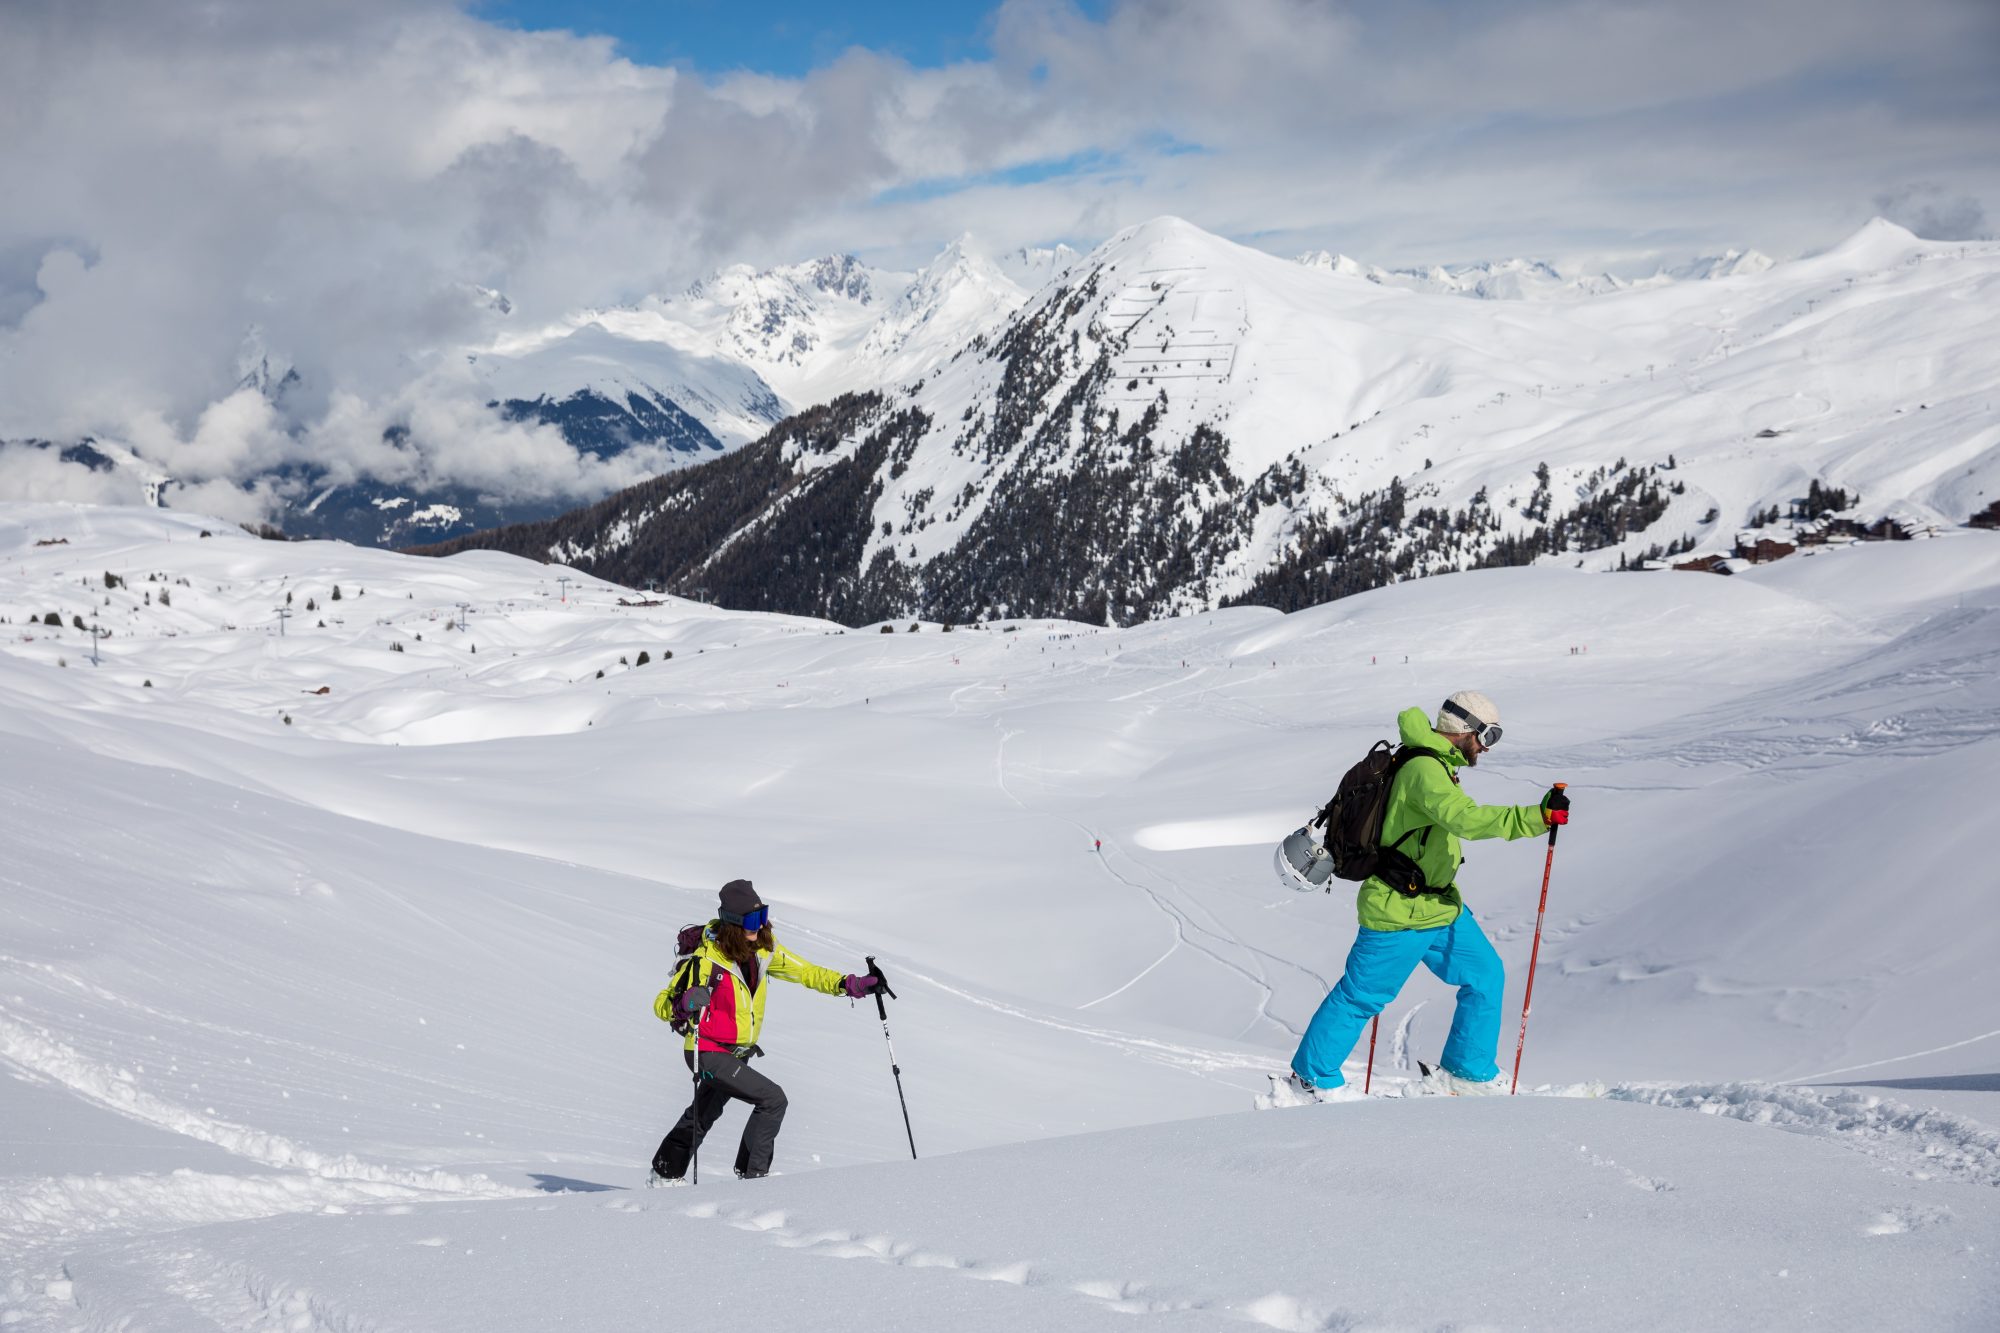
{"x":752,"y":920}
{"x":1487,"y":733}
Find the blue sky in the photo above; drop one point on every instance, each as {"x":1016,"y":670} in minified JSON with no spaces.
{"x":786,"y":37}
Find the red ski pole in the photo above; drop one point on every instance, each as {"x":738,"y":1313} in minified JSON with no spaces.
{"x":1369,"y":1077}
{"x":1529,"y":998}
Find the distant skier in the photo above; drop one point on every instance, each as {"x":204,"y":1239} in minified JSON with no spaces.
{"x":726,"y":989}
{"x":1427,"y":814}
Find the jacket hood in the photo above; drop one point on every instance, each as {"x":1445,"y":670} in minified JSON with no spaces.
{"x":1413,"y":725}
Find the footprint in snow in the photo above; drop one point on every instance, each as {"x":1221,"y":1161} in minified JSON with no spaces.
{"x":1907,"y":1217}
{"x":853,"y":1245}
{"x":1131,"y":1298}
{"x":856,"y":1245}
{"x":837,"y":1245}
{"x":1296,"y":1316}
{"x":770,"y":1220}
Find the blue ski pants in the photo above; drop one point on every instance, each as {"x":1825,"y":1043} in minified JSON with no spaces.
{"x":1377,"y":966}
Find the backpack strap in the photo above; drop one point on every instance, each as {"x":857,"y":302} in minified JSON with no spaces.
{"x":1398,"y":869}
{"x":687,"y":972}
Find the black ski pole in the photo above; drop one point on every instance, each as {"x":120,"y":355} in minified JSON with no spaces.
{"x":882,"y":1009}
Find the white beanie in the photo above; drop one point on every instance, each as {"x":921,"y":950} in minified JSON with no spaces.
{"x":1473,"y":702}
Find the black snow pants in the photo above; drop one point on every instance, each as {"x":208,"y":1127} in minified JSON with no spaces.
{"x":725,"y":1077}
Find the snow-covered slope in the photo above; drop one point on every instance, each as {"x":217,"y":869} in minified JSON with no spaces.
{"x":381,"y":958}
{"x":1179,"y":422}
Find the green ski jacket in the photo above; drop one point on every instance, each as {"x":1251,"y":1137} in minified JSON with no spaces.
{"x":1427,"y":797}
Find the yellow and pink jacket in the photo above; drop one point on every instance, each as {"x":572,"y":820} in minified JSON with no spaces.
{"x":735,"y":1013}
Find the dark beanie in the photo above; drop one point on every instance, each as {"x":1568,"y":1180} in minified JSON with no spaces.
{"x":739,"y":899}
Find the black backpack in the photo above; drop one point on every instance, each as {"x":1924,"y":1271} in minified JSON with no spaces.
{"x":1348,"y":829}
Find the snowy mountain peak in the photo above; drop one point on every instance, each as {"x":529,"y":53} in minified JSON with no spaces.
{"x":962,"y":255}
{"x":956,"y":297}
{"x":842,"y":275}
{"x":1327,"y":261}
{"x":1878,"y":243}
{"x":1166,"y":236}
{"x":259,"y":369}
{"x":1728,"y":264}
{"x":1033,"y":267}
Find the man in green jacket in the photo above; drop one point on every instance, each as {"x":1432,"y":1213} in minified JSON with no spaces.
{"x":1426,"y":816}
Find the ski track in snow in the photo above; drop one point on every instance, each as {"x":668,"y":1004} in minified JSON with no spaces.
{"x":1194,"y":1059}
{"x":1895,"y":1059}
{"x":1922,"y":1141}
{"x":1178,"y":918}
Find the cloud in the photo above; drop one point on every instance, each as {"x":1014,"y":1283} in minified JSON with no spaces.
{"x":1935,"y":213}
{"x":33,"y":473}
{"x":347,"y":177}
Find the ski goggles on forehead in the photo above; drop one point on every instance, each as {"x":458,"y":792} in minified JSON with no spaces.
{"x":1488,"y":733}
{"x":752,"y":920}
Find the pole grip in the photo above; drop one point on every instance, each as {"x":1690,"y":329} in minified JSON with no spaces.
{"x":881,"y":987}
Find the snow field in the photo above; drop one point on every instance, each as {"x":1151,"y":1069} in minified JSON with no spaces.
{"x":399,"y":954}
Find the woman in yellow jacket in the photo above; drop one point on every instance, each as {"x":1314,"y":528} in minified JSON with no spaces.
{"x":720,"y":1009}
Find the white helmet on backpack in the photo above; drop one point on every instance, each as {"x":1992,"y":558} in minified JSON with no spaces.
{"x":1302,"y":862}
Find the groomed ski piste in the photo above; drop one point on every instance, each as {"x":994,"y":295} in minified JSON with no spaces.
{"x":331,"y":1010}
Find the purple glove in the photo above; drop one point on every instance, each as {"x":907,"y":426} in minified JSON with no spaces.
{"x":693,"y":1000}
{"x":856,"y":987}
